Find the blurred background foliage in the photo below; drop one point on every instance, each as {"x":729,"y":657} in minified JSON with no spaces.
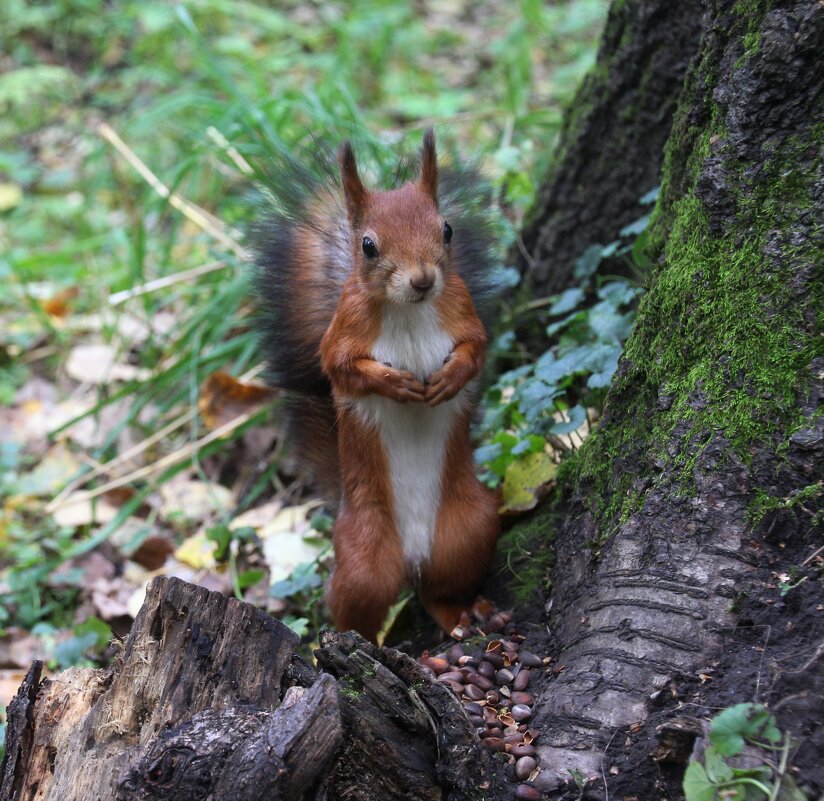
{"x":117,"y":307}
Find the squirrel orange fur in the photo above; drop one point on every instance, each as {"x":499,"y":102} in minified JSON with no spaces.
{"x":400,"y":352}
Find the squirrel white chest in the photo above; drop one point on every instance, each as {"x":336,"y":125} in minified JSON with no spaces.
{"x":412,"y":339}
{"x":413,"y":435}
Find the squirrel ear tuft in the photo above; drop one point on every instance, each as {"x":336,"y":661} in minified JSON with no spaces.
{"x":429,"y":166}
{"x":354,"y":191}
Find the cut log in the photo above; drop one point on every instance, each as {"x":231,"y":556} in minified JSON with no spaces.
{"x":209,"y":700}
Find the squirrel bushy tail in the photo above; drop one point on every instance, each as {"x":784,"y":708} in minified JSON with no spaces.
{"x":302,"y":250}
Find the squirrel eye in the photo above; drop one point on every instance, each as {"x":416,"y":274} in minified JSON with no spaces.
{"x":447,"y":233}
{"x":369,"y":249}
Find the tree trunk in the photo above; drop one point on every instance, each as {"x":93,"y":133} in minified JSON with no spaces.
{"x":208,"y":700}
{"x":703,"y":481}
{"x":612,"y":142}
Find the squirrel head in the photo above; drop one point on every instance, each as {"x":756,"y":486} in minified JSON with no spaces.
{"x":400,"y":240}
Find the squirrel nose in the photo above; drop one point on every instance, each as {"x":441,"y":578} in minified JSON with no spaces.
{"x":423,"y":283}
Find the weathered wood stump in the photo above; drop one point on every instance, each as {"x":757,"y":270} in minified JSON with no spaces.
{"x":209,"y":700}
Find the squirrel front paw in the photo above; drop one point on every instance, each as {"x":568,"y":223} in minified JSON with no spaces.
{"x":445,"y":383}
{"x":402,"y":386}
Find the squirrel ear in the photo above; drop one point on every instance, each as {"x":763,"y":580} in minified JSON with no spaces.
{"x":429,"y":165}
{"x":353,"y":189}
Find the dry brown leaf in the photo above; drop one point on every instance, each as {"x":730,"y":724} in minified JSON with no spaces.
{"x":153,"y":552}
{"x":222,"y":398}
{"x":59,"y":305}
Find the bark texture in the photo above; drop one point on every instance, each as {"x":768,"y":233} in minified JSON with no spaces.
{"x":674,"y":509}
{"x":208,"y":700}
{"x":612,"y":142}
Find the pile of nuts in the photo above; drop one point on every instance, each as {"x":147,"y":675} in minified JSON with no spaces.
{"x":492,"y":685}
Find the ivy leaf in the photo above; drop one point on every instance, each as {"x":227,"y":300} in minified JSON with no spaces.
{"x":249,"y":577}
{"x":94,"y":625}
{"x":697,"y":786}
{"x":635,"y":227}
{"x":535,"y":398}
{"x":73,"y":651}
{"x":302,"y":579}
{"x":567,"y":300}
{"x":619,"y":292}
{"x":588,"y":262}
{"x":559,"y":325}
{"x":609,"y":325}
{"x":531,"y":444}
{"x":577,"y":415}
{"x":717,"y":770}
{"x":650,"y":197}
{"x":742,"y":722}
{"x":322,"y":523}
{"x":486,"y":453}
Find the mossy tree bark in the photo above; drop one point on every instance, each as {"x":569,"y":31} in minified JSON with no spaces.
{"x":612,"y":143}
{"x":707,"y":469}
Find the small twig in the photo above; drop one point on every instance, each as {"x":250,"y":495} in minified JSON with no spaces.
{"x":200,"y":217}
{"x":528,"y":257}
{"x":167,"y":280}
{"x":604,"y":759}
{"x":230,"y":150}
{"x":138,"y":448}
{"x":107,"y":467}
{"x":812,"y":556}
{"x":180,"y":455}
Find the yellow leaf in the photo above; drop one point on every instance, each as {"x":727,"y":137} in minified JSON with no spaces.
{"x":527,"y":480}
{"x":10,"y":196}
{"x":197,"y":551}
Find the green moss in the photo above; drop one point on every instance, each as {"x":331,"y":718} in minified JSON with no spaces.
{"x":530,"y":559}
{"x":763,"y":502}
{"x":752,"y":42}
{"x":350,"y":688}
{"x":722,"y":343}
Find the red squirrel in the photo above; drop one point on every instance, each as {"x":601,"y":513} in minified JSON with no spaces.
{"x":400,"y":351}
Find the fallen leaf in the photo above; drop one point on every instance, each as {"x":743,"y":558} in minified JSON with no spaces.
{"x":10,"y":681}
{"x":152,"y":552}
{"x":75,"y":511}
{"x":283,"y":543}
{"x":18,"y":648}
{"x":58,"y":305}
{"x":290,"y":518}
{"x":222,"y":398}
{"x":527,"y":481}
{"x":11,"y":195}
{"x":110,"y":598}
{"x":51,"y":474}
{"x":97,"y":363}
{"x":193,"y":499}
{"x":258,"y":517}
{"x":197,"y":551}
{"x":92,"y":363}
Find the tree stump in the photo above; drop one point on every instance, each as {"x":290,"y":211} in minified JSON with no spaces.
{"x":209,"y":700}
